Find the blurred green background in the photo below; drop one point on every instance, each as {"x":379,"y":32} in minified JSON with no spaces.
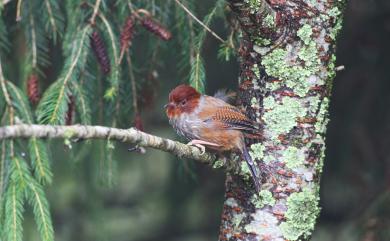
{"x":158,"y":197}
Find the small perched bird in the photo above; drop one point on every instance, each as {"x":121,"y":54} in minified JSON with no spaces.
{"x":211,"y":122}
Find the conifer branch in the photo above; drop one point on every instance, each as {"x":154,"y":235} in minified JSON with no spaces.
{"x":200,"y":22}
{"x":6,"y":96}
{"x":10,"y":106}
{"x":100,"y":132}
{"x":111,"y":35}
{"x":51,"y":17}
{"x":37,"y":149}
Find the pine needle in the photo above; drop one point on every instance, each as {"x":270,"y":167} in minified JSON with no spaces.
{"x":4,"y":42}
{"x":40,"y":161}
{"x":13,"y":229}
{"x":54,"y":103}
{"x":82,"y":103}
{"x":54,"y":18}
{"x":197,"y":74}
{"x":41,"y":210}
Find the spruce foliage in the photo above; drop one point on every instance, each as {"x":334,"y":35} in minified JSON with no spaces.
{"x":52,"y":45}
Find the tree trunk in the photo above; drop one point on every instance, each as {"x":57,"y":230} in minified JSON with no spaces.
{"x":286,"y":72}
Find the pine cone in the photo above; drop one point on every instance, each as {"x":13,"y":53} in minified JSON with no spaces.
{"x":100,"y":50}
{"x":33,"y":89}
{"x":156,"y":28}
{"x":127,"y":33}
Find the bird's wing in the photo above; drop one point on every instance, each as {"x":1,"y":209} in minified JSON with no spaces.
{"x":222,"y":115}
{"x":232,"y":118}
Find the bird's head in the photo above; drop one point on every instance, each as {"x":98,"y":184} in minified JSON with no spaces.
{"x":182,"y":99}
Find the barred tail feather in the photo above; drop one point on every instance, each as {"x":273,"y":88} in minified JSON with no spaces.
{"x":252,"y":168}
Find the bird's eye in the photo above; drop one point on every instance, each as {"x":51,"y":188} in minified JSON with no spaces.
{"x":183,"y":102}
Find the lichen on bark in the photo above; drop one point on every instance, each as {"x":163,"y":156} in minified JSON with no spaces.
{"x":287,"y":57}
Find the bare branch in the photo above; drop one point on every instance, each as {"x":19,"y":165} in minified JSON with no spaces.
{"x":101,"y":132}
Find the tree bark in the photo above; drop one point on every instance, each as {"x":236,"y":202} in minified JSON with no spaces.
{"x":132,"y":135}
{"x":287,"y":57}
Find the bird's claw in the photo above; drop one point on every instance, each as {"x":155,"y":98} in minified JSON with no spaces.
{"x":201,"y":147}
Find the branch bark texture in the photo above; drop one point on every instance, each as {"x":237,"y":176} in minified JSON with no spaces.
{"x":132,"y":135}
{"x":287,"y":57}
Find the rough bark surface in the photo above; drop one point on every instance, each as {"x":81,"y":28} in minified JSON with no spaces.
{"x":286,"y":72}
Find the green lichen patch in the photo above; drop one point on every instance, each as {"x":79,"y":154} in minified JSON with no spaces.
{"x":254,"y":5}
{"x":254,"y":101}
{"x":301,"y":214}
{"x":332,"y":68}
{"x":231,"y":202}
{"x":294,"y":76}
{"x":256,"y":200}
{"x":262,"y":41}
{"x":304,"y":33}
{"x":336,"y":29}
{"x":257,"y":151}
{"x":265,"y":198}
{"x":282,"y":117}
{"x":245,"y":171}
{"x":218,"y":163}
{"x":256,"y":71}
{"x":313,"y":102}
{"x":322,"y":116}
{"x":334,"y":12}
{"x":308,"y":54}
{"x":320,"y":163}
{"x":269,"y":21}
{"x":237,"y":219}
{"x":269,"y":102}
{"x":293,"y":157}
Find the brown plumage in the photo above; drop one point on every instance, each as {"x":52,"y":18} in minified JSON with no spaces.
{"x":210,"y":121}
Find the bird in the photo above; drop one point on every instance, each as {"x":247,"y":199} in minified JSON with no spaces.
{"x":207,"y":121}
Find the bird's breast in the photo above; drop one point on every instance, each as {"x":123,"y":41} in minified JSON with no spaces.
{"x":187,"y":125}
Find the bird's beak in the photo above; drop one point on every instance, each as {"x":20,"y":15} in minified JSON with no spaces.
{"x":168,"y":105}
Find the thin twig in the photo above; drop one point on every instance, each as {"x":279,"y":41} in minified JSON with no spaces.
{"x":18,"y":11}
{"x":200,"y":22}
{"x":101,"y":132}
{"x":33,"y":41}
{"x":95,"y":11}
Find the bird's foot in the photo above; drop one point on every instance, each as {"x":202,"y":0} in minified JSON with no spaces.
{"x":201,"y":145}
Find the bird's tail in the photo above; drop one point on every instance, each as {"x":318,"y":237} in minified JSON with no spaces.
{"x":252,"y":168}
